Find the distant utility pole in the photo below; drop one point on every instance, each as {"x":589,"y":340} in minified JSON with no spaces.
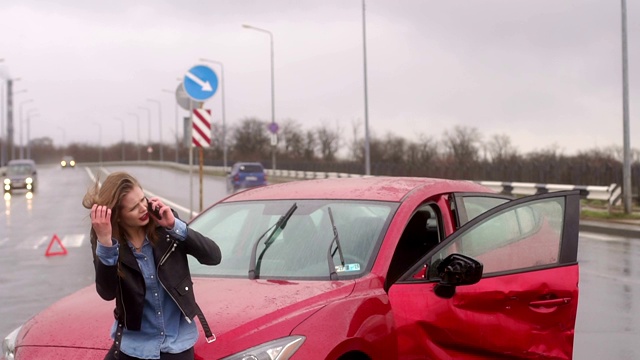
{"x":626,"y":168}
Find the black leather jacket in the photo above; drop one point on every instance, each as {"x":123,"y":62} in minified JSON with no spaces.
{"x":170,"y":255}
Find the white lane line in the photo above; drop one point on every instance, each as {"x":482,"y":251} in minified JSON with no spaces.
{"x":43,"y":239}
{"x":74,"y":240}
{"x":149,"y":193}
{"x":601,"y":237}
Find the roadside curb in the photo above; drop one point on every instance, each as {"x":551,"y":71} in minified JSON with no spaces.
{"x":610,"y":228}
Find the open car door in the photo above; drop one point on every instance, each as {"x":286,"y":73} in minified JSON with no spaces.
{"x":503,"y":286}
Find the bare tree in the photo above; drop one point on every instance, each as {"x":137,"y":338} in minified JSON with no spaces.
{"x":250,"y":139}
{"x":328,"y":142}
{"x":501,"y":148}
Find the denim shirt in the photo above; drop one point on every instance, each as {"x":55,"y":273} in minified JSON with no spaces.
{"x":164,"y":328}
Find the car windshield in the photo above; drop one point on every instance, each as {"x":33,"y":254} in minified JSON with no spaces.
{"x":250,"y":168}
{"x":300,"y":250}
{"x":19,"y":169}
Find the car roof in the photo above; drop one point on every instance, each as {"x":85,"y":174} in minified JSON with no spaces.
{"x":380,"y":188}
{"x":21,"y":161}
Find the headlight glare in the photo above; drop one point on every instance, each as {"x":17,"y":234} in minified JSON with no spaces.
{"x":280,"y":349}
{"x":9,"y":344}
{"x":63,"y":163}
{"x":7,"y":181}
{"x":28,"y":180}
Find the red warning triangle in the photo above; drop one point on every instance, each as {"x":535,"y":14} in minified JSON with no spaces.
{"x":62,"y":251}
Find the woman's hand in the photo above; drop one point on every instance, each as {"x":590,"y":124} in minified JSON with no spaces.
{"x":101,"y":223}
{"x":167,"y":219}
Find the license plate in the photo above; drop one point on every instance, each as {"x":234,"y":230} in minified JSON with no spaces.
{"x":252,"y":178}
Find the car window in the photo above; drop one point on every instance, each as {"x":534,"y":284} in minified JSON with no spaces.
{"x":250,"y":168}
{"x":521,"y":237}
{"x":470,"y":206}
{"x":301,"y":249}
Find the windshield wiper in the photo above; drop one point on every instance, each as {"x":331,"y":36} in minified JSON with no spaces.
{"x":333,"y":274}
{"x":254,"y":266}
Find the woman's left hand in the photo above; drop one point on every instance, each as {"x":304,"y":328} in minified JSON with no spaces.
{"x":167,"y":219}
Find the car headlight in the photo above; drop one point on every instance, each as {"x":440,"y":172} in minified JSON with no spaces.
{"x":63,"y":163}
{"x":28,"y":180}
{"x":7,"y":181}
{"x":280,"y":349}
{"x":72,"y":163}
{"x":9,"y":344}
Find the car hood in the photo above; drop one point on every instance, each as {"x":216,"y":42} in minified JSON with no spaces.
{"x":239,"y":312}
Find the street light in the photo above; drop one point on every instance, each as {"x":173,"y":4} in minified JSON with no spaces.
{"x":21,"y":144}
{"x":99,"y":141}
{"x":122,"y":122}
{"x":273,"y":108}
{"x":367,"y":154}
{"x":176,"y":116}
{"x":29,"y":116}
{"x":159,"y":124}
{"x":224,"y":126}
{"x":149,"y":120}
{"x":138,"y":123}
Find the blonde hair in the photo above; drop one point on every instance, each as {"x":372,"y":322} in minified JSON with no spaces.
{"x":114,"y":188}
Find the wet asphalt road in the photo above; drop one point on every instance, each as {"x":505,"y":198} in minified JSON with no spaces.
{"x":607,"y":327}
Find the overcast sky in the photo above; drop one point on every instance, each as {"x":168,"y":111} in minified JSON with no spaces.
{"x":544,"y":72}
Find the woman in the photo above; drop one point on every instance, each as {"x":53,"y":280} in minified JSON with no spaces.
{"x":141,"y":261}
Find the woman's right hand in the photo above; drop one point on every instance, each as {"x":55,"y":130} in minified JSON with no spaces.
{"x":101,"y":223}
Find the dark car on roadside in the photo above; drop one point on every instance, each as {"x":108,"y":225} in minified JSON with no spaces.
{"x":246,"y":175}
{"x":20,"y":174}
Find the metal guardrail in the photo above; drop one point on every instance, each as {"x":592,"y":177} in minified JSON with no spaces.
{"x":612,"y":193}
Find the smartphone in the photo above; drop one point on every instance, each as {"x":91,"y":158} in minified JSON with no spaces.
{"x":153,"y":211}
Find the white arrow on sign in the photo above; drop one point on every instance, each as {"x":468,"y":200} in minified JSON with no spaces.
{"x":205,"y":84}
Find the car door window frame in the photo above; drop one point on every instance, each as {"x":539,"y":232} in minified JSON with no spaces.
{"x":458,"y":204}
{"x":568,"y":249}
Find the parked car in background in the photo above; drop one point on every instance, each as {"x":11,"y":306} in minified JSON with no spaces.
{"x":20,"y":174}
{"x":245,"y":175}
{"x":364,"y":268}
{"x":68,"y":162}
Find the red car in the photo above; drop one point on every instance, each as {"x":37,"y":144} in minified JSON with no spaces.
{"x":365,"y":268}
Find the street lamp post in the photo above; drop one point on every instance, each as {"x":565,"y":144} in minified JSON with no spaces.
{"x":176,"y":119}
{"x":367,"y":154}
{"x":224,"y":126}
{"x":273,"y":109}
{"x":122,"y":123}
{"x":99,"y":141}
{"x":29,"y":116}
{"x":138,"y":124}
{"x":21,"y":143}
{"x":159,"y":124}
{"x":149,"y":128}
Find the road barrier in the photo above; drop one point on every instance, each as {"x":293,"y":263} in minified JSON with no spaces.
{"x":612,"y":194}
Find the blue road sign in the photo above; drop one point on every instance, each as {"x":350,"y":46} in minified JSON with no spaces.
{"x":200,"y":82}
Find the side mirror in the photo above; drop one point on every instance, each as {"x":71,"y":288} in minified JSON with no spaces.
{"x":456,"y":270}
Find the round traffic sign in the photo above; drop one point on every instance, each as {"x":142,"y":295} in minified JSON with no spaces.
{"x":273,"y":128}
{"x":185,"y":101}
{"x":200,"y":82}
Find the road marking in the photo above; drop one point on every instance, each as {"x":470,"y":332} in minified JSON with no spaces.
{"x":150,"y":194}
{"x":43,"y":239}
{"x":74,"y":240}
{"x":595,"y":236}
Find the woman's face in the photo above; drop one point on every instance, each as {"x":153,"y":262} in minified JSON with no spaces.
{"x":133,"y":212}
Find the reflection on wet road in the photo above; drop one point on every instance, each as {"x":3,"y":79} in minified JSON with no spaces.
{"x":608,"y":320}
